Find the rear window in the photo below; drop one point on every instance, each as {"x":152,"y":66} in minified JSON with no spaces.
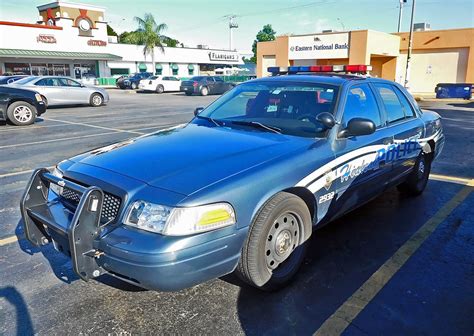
{"x":198,"y":78}
{"x":25,"y":80}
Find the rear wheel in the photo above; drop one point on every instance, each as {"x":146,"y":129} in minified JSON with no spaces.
{"x":96,"y":100}
{"x":276,"y":244}
{"x":204,"y":91}
{"x":21,"y":113}
{"x":160,"y":89}
{"x":416,"y":182}
{"x":134,"y":86}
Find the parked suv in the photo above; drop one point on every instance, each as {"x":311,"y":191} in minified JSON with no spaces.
{"x":19,"y":106}
{"x":132,"y":81}
{"x":205,"y":85}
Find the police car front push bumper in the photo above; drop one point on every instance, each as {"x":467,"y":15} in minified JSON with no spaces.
{"x":72,"y":233}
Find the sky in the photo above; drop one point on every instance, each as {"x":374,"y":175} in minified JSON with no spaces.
{"x":204,"y":22}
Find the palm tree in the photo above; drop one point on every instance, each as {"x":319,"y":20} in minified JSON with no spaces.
{"x":149,"y":35}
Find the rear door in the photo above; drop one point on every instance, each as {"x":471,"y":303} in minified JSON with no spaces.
{"x":51,"y":88}
{"x":361,"y":172}
{"x":211,"y":84}
{"x":405,"y":126}
{"x":220,"y":85}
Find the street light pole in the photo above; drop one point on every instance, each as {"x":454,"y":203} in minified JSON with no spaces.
{"x":400,"y":13}
{"x":232,"y":25}
{"x":410,"y":46}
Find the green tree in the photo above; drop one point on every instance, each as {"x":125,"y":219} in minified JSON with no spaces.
{"x":266,"y":34}
{"x":170,"y":42}
{"x":148,"y":34}
{"x":111,"y":31}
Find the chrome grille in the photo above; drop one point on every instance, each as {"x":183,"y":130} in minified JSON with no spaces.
{"x":110,"y":207}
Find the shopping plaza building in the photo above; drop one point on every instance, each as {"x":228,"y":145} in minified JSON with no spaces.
{"x":438,"y":56}
{"x":71,"y":39}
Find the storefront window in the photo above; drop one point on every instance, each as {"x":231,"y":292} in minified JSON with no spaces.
{"x":120,"y":71}
{"x":38,"y":69}
{"x":17,"y":68}
{"x":84,"y":68}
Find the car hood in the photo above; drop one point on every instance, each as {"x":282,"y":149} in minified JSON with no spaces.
{"x":188,"y":158}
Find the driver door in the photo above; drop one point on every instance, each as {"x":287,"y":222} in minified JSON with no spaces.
{"x":362,"y":171}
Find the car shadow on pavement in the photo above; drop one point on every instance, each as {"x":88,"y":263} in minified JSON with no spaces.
{"x":341,"y":257}
{"x":23,"y":319}
{"x":464,"y":105}
{"x":60,"y":264}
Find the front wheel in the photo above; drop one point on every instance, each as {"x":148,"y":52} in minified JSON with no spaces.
{"x":21,"y":113}
{"x":416,"y":182}
{"x":96,"y":100}
{"x":134,"y":86}
{"x":160,"y":89}
{"x":276,"y":244}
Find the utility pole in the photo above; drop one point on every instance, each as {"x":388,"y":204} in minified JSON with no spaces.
{"x":232,"y":25}
{"x":410,"y":46}
{"x":400,"y":13}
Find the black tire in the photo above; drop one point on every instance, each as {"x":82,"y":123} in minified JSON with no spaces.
{"x":160,"y":89}
{"x":189,"y":93}
{"x":21,"y":113}
{"x":134,"y":86}
{"x":276,"y":243}
{"x":204,"y":91}
{"x":45,"y":101}
{"x":96,"y":100}
{"x":416,"y":182}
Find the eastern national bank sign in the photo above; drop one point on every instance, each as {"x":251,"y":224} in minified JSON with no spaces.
{"x":319,"y":46}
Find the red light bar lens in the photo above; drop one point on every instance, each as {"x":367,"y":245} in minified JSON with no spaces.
{"x":326,"y":68}
{"x":355,"y":68}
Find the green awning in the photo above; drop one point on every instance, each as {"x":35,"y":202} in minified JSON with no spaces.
{"x":191,"y":67}
{"x":58,"y":54}
{"x":158,"y":66}
{"x":142,"y":66}
{"x":174,"y":66}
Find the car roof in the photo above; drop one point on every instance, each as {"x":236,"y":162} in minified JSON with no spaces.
{"x":328,"y":78}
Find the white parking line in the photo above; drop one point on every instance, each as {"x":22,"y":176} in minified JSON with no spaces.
{"x":93,"y":126}
{"x":20,"y":172}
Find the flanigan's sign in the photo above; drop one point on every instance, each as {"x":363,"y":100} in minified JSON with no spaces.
{"x":43,"y":38}
{"x":223,"y":56}
{"x":321,"y":46}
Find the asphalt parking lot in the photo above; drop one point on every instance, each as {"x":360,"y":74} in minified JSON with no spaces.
{"x":396,"y":266}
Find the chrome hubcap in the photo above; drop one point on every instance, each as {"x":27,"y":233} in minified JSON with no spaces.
{"x":282,"y":239}
{"x":22,"y":113}
{"x":97,"y":100}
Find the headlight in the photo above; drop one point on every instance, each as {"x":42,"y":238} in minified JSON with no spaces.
{"x":54,"y":187}
{"x":38,"y":97}
{"x":179,"y":221}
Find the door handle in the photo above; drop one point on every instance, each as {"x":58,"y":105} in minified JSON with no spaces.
{"x":387,"y":141}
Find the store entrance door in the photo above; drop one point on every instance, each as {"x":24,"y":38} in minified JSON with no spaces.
{"x":82,"y":69}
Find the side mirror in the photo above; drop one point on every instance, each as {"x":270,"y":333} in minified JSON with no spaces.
{"x":358,"y":126}
{"x":198,"y":110}
{"x":327,"y":119}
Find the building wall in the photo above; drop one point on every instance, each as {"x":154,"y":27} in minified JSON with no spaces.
{"x":438,"y":56}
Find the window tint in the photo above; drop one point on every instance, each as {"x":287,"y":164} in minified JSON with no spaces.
{"x":218,"y":79}
{"x":360,"y":103}
{"x":48,"y":82}
{"x":69,"y":82}
{"x":174,"y":78}
{"x":166,"y":78}
{"x":393,"y":107}
{"x":407,"y":109}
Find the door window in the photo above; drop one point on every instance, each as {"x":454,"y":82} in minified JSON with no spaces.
{"x":360,"y":103}
{"x":69,"y":82}
{"x":393,"y":106}
{"x":407,"y":109}
{"x":48,"y":82}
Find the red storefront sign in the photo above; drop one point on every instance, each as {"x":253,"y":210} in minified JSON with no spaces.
{"x":42,"y":38}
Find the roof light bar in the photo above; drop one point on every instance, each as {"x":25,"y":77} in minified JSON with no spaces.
{"x":359,"y":69}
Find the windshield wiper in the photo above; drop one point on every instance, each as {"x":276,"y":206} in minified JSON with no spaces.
{"x":209,"y":119}
{"x":257,"y":125}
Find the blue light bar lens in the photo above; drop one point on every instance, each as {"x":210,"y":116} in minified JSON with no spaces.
{"x":274,"y":69}
{"x":304,"y":68}
{"x":293,"y":69}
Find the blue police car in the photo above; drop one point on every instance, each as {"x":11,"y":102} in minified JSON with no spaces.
{"x":241,"y":187}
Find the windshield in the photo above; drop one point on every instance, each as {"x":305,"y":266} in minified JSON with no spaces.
{"x":289,"y":107}
{"x":25,"y":80}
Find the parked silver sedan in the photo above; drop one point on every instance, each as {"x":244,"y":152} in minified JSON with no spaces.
{"x":57,"y":90}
